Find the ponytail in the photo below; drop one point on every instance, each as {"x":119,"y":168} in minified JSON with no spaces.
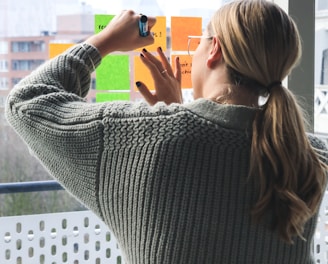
{"x":288,"y":171}
{"x":261,"y":45}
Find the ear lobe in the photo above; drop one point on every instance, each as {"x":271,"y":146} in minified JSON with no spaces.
{"x":215,"y":55}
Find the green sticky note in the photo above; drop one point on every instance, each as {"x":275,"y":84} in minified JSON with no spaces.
{"x":101,"y":22}
{"x":106,"y":97}
{"x":113,"y":73}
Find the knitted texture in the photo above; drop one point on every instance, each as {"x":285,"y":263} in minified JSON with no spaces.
{"x":169,"y":181}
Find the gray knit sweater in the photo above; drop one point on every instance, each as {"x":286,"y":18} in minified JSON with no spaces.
{"x":169,"y":181}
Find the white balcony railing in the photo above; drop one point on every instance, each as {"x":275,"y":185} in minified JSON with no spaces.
{"x":70,"y":237}
{"x":321,"y":109}
{"x":80,"y":237}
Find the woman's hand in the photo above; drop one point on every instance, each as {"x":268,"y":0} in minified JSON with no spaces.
{"x":122,"y":34}
{"x":167,"y":83}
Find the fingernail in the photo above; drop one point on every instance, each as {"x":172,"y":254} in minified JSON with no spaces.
{"x":138,"y":84}
{"x":144,"y":50}
{"x":141,"y":55}
{"x":160,"y":48}
{"x":178,"y":58}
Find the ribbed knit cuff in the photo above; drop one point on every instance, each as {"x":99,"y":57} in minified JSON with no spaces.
{"x":88,"y":53}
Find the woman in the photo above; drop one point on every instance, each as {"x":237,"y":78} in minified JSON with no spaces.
{"x":220,"y":180}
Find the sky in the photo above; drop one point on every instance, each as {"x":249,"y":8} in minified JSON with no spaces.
{"x":171,"y":7}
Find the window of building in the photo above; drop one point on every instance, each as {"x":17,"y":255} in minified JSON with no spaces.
{"x":3,"y":65}
{"x":14,"y":81}
{"x":3,"y":47}
{"x":28,"y":46}
{"x":324,"y":72}
{"x":2,"y":105}
{"x":4,"y":83}
{"x":26,"y":65}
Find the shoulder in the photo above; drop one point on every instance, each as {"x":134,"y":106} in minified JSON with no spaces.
{"x":141,"y":109}
{"x":320,"y":145}
{"x":317,"y":142}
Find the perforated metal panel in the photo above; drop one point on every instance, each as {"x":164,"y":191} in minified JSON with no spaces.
{"x":321,"y":236}
{"x":80,"y":237}
{"x":73,"y":237}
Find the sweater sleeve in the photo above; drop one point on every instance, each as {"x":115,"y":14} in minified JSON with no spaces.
{"x":63,"y":131}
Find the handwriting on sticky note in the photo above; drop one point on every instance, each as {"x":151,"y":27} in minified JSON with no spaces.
{"x":159,"y":33}
{"x":186,"y":64}
{"x":101,"y":21}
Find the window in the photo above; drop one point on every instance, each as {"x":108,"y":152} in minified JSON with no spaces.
{"x":4,"y":84}
{"x":30,"y":27}
{"x":322,"y":5}
{"x":324,"y":72}
{"x":28,"y":46}
{"x":26,"y":65}
{"x":14,"y":81}
{"x":2,"y":105}
{"x":3,"y":65}
{"x":3,"y":47}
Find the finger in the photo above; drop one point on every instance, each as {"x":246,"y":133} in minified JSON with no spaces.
{"x":151,"y":21}
{"x":152,"y":64}
{"x":165,"y":63}
{"x":149,"y":97}
{"x":177,"y":73}
{"x":156,"y":62}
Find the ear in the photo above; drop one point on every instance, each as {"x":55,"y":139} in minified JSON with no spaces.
{"x":215,"y":55}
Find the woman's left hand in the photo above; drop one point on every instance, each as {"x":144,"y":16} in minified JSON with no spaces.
{"x":167,"y":83}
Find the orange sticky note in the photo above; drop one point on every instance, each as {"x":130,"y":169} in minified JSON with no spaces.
{"x":142,"y":73}
{"x":58,"y":48}
{"x":181,"y":28}
{"x":159,"y":32}
{"x":186,"y":63}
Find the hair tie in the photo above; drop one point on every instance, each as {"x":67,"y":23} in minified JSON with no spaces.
{"x":273,"y":84}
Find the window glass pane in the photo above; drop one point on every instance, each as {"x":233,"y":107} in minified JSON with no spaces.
{"x":3,"y":65}
{"x":322,"y":4}
{"x":25,"y":42}
{"x":3,"y":47}
{"x":321,"y":68}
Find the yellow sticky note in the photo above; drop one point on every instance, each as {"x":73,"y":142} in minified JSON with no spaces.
{"x":142,"y":73}
{"x":57,"y":48}
{"x":186,"y":63}
{"x":159,"y":32}
{"x":181,"y":28}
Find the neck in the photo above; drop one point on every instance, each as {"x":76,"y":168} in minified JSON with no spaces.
{"x":226,"y":93}
{"x":219,"y":88}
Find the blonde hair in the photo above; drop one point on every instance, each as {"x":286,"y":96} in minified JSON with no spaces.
{"x":261,"y":45}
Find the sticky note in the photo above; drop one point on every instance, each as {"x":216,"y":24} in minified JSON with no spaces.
{"x":106,"y":97}
{"x":113,"y":73}
{"x":101,"y":22}
{"x":58,"y":48}
{"x":142,"y":73}
{"x":186,"y":63}
{"x":159,"y":33}
{"x":181,"y":28}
